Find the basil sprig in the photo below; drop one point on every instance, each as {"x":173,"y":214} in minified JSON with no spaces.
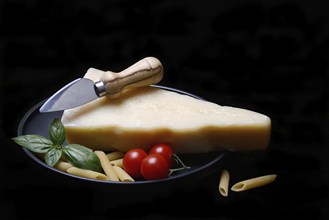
{"x":53,"y":149}
{"x":82,"y":157}
{"x":57,"y":132}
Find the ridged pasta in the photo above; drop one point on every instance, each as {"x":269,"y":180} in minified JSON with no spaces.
{"x":253,"y":183}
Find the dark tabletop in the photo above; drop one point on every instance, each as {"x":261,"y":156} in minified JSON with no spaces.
{"x":268,"y":56}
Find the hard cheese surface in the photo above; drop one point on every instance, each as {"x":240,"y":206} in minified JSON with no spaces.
{"x":146,"y":116}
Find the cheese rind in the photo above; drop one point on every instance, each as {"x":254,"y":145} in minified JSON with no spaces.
{"x":145,"y":116}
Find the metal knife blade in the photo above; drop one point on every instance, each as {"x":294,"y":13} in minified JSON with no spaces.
{"x":145,"y":72}
{"x":74,"y":94}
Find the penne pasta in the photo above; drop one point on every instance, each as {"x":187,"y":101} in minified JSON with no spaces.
{"x":123,"y":175}
{"x":63,"y":166}
{"x":115,"y":155}
{"x":107,"y":167}
{"x":87,"y":173}
{"x":253,"y":183}
{"x":224,"y":183}
{"x":117,"y":162}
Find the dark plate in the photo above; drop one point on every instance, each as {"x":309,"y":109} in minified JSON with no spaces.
{"x":201,"y":165}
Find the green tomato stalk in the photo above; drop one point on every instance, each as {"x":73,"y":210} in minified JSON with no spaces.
{"x":179,"y":161}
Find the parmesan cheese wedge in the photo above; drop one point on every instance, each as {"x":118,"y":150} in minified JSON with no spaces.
{"x":142,"y":117}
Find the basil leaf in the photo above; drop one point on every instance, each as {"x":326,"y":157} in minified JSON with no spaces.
{"x":34,"y":143}
{"x":52,"y":156}
{"x":57,"y":132}
{"x":82,"y":157}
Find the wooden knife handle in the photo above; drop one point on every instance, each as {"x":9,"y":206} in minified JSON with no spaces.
{"x":145,"y":72}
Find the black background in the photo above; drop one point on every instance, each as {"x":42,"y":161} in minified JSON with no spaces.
{"x":267,"y":56}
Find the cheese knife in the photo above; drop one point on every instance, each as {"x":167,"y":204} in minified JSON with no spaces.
{"x":145,"y":72}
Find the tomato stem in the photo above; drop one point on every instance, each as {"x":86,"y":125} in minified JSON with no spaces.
{"x":184,"y":167}
{"x":176,"y":169}
{"x":180,"y":161}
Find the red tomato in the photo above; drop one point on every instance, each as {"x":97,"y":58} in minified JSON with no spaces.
{"x":132,"y":161}
{"x":154,"y":167}
{"x":164,"y":150}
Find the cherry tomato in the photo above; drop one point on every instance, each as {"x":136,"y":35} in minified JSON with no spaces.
{"x":154,"y":167}
{"x":164,"y":150}
{"x":132,"y":162}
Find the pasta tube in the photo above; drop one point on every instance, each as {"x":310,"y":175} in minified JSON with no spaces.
{"x":253,"y":183}
{"x":107,"y":167}
{"x":224,"y":183}
{"x":87,"y":173}
{"x":123,"y":175}
{"x":115,"y":155}
{"x":63,"y":166}
{"x":117,"y":162}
